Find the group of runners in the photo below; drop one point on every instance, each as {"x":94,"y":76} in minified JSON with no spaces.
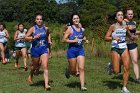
{"x":122,"y":33}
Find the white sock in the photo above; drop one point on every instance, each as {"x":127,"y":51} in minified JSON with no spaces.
{"x":125,"y":89}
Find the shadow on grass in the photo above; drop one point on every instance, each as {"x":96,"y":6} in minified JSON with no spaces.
{"x":113,"y":84}
{"x":38,"y":73}
{"x":21,"y":68}
{"x":15,"y":69}
{"x":73,"y":84}
{"x":41,"y":83}
{"x":120,"y":77}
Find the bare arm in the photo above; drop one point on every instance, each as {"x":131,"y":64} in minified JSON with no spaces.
{"x":28,"y":36}
{"x":49,"y":39}
{"x":15,"y":36}
{"x":84,"y":38}
{"x":7,"y":34}
{"x":108,"y":36}
{"x":67,"y":34}
{"x":48,"y":35}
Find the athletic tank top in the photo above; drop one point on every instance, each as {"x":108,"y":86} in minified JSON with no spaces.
{"x":133,"y":31}
{"x":2,"y":36}
{"x":121,"y":33}
{"x":20,"y":42}
{"x":75,"y":34}
{"x":42,"y":40}
{"x":5,"y":39}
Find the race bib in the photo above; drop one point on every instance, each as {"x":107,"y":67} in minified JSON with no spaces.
{"x":20,"y":43}
{"x":122,"y":39}
{"x":80,"y":41}
{"x":1,"y":38}
{"x":41,"y":43}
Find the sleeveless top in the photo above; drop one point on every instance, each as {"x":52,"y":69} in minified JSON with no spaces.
{"x":42,"y":40}
{"x":20,"y":42}
{"x":133,"y":31}
{"x":75,"y":34}
{"x":2,"y":36}
{"x":121,"y":33}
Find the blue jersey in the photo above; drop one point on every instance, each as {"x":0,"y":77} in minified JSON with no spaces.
{"x":75,"y":34}
{"x":42,"y":40}
{"x":76,"y":49}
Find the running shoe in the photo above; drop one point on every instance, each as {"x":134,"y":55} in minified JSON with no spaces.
{"x":67,"y":73}
{"x":137,"y":81}
{"x":25,"y":68}
{"x":77,"y":75}
{"x":109,"y":68}
{"x":125,"y":90}
{"x":83,"y":89}
{"x":48,"y":88}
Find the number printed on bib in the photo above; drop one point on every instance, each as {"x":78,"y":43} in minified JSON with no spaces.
{"x":41,"y":43}
{"x":80,"y":41}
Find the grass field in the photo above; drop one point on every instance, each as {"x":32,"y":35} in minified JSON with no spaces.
{"x":97,"y":80}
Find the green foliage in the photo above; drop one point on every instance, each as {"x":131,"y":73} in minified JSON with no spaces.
{"x":90,"y":10}
{"x":94,"y":15}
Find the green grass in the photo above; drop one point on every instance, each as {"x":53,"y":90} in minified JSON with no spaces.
{"x":97,"y":80}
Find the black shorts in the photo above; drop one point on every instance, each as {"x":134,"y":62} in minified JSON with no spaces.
{"x":132,"y":46}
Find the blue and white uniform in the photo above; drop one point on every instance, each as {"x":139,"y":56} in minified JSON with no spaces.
{"x":75,"y":49}
{"x":39,"y":45}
